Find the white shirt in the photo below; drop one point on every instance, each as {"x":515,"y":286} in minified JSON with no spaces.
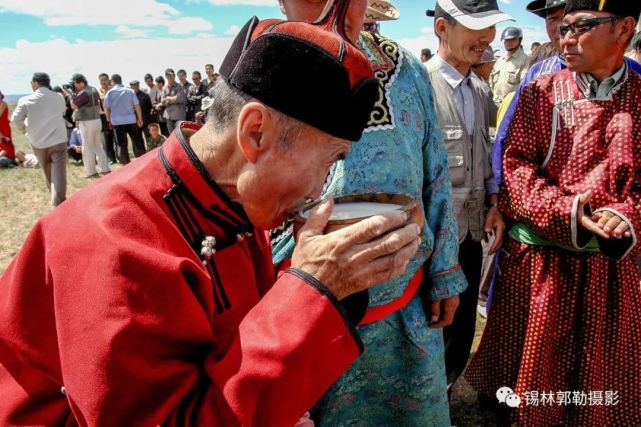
{"x":41,"y":115}
{"x":463,"y":95}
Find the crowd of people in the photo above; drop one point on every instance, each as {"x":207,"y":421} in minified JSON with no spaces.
{"x":203,"y":306}
{"x":100,"y":122}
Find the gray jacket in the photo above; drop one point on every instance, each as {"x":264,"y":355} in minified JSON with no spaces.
{"x":174,"y":100}
{"x":468,"y":156}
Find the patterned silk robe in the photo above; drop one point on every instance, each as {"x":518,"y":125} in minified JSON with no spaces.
{"x":565,"y":319}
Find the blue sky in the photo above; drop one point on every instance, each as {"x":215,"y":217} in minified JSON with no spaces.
{"x":133,"y":37}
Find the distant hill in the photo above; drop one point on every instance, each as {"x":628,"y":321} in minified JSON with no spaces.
{"x":13,"y":98}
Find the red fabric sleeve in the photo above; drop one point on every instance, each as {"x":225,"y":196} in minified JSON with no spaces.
{"x":138,"y":345}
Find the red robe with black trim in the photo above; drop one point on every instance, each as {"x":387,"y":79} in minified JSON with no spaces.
{"x":563,"y":322}
{"x":108,"y":316}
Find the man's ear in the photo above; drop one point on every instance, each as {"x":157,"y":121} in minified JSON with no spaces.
{"x":439,"y":27}
{"x":255,"y":126}
{"x":627,"y":28}
{"x":282,"y":7}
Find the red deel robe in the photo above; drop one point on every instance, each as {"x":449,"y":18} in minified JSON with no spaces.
{"x":566,"y":322}
{"x":108,"y":316}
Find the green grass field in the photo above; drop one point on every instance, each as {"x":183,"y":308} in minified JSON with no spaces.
{"x":25,"y":198}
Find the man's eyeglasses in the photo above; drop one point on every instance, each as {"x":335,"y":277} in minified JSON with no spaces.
{"x":582,"y":26}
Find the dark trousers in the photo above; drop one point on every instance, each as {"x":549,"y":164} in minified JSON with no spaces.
{"x":110,"y":145}
{"x":121,"y":132}
{"x":459,"y":336}
{"x":163,"y":129}
{"x":144,"y":132}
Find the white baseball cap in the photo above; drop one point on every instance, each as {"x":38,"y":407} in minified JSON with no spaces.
{"x":473,"y":14}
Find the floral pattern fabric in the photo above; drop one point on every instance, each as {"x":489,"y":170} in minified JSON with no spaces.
{"x":400,"y":379}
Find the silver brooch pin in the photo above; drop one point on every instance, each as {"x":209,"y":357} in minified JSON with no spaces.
{"x":208,"y":248}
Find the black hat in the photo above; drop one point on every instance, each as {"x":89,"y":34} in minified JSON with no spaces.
{"x":542,"y":7}
{"x":616,"y":7}
{"x":472,"y":14}
{"x":311,"y":72}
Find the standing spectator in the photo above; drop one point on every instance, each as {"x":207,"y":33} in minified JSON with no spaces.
{"x":182,"y":78}
{"x":426,"y":55}
{"x":210,"y":81}
{"x":145,"y":107}
{"x":484,"y":69}
{"x":46,"y":130}
{"x":401,"y":151}
{"x":173,"y":99}
{"x":68,"y":123}
{"x":151,"y":87}
{"x":461,"y":107}
{"x":86,"y":105}
{"x":158,"y":108}
{"x":109,"y":142}
{"x":195,"y":96}
{"x":66,"y":91}
{"x":74,"y":149}
{"x":534,"y":47}
{"x":7,"y":150}
{"x":123,"y":112}
{"x":156,"y":139}
{"x":510,"y":69}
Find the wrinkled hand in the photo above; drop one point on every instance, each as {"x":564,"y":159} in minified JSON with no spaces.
{"x":586,"y":222}
{"x":612,"y":224}
{"x":357,"y":257}
{"x":443,"y":311}
{"x":494,"y":224}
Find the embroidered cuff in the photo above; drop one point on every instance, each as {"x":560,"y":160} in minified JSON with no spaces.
{"x":447,"y":283}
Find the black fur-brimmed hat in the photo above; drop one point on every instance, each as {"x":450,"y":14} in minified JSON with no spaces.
{"x":311,"y":72}
{"x":542,"y":7}
{"x":616,"y":7}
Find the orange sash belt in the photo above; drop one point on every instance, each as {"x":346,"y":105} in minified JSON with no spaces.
{"x":379,"y":312}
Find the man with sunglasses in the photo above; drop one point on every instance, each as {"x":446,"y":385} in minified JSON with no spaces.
{"x":552,"y":11}
{"x":565,"y":317}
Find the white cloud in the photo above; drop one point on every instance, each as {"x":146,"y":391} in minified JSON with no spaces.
{"x":233,"y":30}
{"x":131,"y":33}
{"x":131,"y":13}
{"x":131,"y":58}
{"x":427,"y":39}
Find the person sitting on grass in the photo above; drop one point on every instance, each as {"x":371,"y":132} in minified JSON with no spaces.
{"x":74,"y":149}
{"x":26,"y":160}
{"x":156,"y":138}
{"x":7,"y":153}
